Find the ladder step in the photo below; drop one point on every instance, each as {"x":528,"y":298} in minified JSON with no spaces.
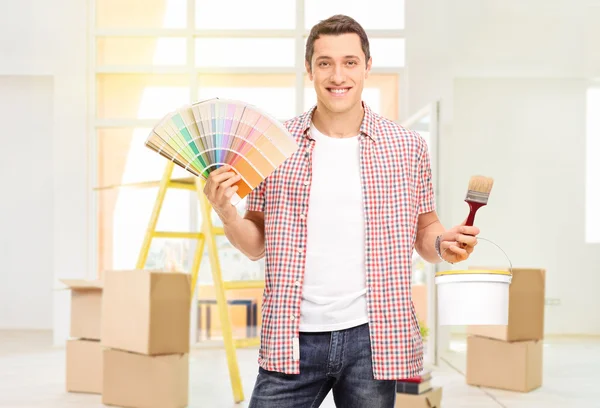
{"x":183,"y":184}
{"x":250,"y":342}
{"x":244,"y":284}
{"x":218,"y":231}
{"x":174,"y":234}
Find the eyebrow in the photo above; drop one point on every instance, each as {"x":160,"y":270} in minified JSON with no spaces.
{"x":346,"y":56}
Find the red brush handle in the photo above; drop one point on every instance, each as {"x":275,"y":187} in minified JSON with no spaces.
{"x":474,"y":206}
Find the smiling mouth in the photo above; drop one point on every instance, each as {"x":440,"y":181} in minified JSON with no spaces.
{"x":338,"y":91}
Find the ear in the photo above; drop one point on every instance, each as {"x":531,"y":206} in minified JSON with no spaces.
{"x":368,"y":70}
{"x":308,"y":70}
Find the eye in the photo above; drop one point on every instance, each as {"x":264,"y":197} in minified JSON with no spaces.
{"x":351,"y":62}
{"x":322,"y":64}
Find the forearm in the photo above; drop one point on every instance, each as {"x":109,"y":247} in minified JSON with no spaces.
{"x":247,"y":235}
{"x":425,"y":242}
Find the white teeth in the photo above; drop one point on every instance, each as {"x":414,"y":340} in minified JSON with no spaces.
{"x":339,"y":91}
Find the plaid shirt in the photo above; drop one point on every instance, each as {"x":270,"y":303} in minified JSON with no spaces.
{"x":396,"y":175}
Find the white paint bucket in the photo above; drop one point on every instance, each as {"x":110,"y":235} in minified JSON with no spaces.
{"x":472,"y":297}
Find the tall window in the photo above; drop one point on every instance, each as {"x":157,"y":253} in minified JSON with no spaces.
{"x":152,"y":56}
{"x":592,"y":216}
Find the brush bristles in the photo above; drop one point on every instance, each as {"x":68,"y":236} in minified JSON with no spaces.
{"x":481,"y":184}
{"x":479,"y":188}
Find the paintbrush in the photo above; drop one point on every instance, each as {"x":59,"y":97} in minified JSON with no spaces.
{"x":477,"y":195}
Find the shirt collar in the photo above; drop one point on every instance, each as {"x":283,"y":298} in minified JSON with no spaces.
{"x":367,"y":127}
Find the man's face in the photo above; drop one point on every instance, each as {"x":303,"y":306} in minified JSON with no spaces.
{"x":338,"y":71}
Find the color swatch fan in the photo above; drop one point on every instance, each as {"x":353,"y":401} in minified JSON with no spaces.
{"x":207,"y":135}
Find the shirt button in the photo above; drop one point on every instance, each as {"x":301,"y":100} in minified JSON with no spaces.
{"x":302,"y":216}
{"x":292,"y":317}
{"x":306,"y":183}
{"x":297,"y":283}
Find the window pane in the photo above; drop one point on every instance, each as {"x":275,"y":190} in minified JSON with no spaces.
{"x":244,"y":14}
{"x":275,"y":94}
{"x":138,"y":96}
{"x":373,"y":14}
{"x":123,"y":216}
{"x":141,"y":13}
{"x":123,"y":158}
{"x":380,"y":93}
{"x":245,"y":52}
{"x":141,"y":51}
{"x":387,"y":52}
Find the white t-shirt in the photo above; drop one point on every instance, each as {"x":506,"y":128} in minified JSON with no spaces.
{"x":334,"y":282}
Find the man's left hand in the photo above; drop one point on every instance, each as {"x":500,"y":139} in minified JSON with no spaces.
{"x":458,"y":243}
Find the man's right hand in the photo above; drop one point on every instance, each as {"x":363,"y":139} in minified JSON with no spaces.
{"x":219,"y":189}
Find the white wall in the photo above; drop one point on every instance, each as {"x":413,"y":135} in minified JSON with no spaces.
{"x":50,"y":38}
{"x":511,"y":77}
{"x":27,"y":202}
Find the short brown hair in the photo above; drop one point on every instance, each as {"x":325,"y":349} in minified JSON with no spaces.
{"x":336,"y":25}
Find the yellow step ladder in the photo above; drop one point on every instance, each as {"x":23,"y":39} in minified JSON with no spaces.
{"x":207,"y":236}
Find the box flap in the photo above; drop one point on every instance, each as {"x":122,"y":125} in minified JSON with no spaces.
{"x":80,"y":284}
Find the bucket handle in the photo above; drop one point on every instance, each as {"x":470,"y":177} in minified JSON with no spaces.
{"x":497,"y":246}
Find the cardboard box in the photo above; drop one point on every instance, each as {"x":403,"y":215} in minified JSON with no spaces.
{"x":84,"y":366}
{"x":429,"y":399}
{"x":526,"y":302}
{"x":86,"y":308}
{"x":513,"y":366}
{"x":141,"y":381}
{"x":146,"y":312}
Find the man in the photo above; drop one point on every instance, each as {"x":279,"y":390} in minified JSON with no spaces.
{"x":337,"y":224}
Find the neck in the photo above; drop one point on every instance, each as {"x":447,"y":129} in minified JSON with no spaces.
{"x":338,"y":125}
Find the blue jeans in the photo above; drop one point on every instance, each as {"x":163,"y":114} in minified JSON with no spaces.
{"x":338,"y":361}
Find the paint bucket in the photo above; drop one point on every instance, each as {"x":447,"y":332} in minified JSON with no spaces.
{"x":473,"y":297}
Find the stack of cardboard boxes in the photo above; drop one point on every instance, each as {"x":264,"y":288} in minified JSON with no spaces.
{"x":83,"y":350}
{"x":144,"y":340}
{"x":511,"y":357}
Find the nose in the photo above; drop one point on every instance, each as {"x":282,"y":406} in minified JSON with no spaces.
{"x":338,"y":76}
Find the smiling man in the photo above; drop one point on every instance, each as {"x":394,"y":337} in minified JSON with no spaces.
{"x":337,"y":224}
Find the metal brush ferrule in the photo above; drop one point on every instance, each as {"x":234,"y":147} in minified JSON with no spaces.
{"x":477,"y":196}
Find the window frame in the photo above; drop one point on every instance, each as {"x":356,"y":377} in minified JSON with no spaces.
{"x":191,"y":33}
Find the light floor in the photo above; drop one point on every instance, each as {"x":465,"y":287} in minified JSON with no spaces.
{"x":32,"y":375}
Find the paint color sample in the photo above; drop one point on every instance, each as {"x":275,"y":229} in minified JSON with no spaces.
{"x":207,"y":135}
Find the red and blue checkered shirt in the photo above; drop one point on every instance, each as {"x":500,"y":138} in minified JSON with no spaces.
{"x":397,"y":187}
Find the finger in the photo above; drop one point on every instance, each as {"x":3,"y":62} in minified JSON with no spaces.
{"x":468,"y":230}
{"x":225,"y":191}
{"x":466,"y":240}
{"x":221,"y":170}
{"x":221,"y":177}
{"x":458,"y":251}
{"x":229,"y":182}
{"x":231,"y":191}
{"x":447,"y":244}
{"x":215,"y":181}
